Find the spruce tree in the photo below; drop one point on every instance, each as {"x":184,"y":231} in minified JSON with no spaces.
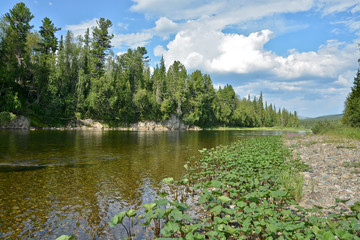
{"x":352,"y":104}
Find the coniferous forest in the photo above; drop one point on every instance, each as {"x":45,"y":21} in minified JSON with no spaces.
{"x":55,"y":80}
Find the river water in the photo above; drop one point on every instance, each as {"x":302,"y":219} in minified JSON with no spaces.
{"x":72,"y":182}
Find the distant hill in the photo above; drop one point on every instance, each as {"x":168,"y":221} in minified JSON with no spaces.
{"x":328,"y":117}
{"x":303,"y":118}
{"x":310,"y":122}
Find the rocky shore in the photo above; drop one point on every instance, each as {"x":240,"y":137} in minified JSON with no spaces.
{"x":173,"y":123}
{"x":334,"y":169}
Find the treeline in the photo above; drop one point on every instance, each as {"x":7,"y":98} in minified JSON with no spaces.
{"x":73,"y":78}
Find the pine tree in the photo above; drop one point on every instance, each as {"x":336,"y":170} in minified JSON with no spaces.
{"x":101,"y":43}
{"x":352,"y":104}
{"x":14,"y":62}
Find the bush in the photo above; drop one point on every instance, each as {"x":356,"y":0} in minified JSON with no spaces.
{"x":5,"y":118}
{"x":322,"y":127}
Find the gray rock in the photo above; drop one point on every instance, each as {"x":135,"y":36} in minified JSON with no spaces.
{"x":174,"y":123}
{"x":20,"y":122}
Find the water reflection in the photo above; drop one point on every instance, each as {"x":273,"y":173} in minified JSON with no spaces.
{"x":77,"y":180}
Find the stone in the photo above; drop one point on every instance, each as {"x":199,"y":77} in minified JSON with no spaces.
{"x":329,"y":176}
{"x":173,"y":123}
{"x":20,"y":122}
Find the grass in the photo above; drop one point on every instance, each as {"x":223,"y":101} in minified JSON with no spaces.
{"x":336,"y":129}
{"x":259,"y":128}
{"x":293,"y":182}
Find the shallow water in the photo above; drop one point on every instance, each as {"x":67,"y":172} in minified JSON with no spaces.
{"x":73,"y":182}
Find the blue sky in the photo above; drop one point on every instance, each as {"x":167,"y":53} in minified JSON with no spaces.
{"x":301,"y":54}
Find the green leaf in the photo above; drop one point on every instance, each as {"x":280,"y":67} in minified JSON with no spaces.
{"x":162,"y":194}
{"x":162,"y":202}
{"x":224,"y":199}
{"x":168,"y":211}
{"x":216,"y":210}
{"x":315,"y":229}
{"x":189,"y":236}
{"x":185,"y":181}
{"x":215,"y":184}
{"x":355,"y":207}
{"x":198,"y":236}
{"x":272,"y":227}
{"x":118,"y":218}
{"x":230,"y":230}
{"x":131,"y":213}
{"x":175,"y":214}
{"x":170,"y":228}
{"x":278,"y":194}
{"x":342,"y":234}
{"x":186,"y":167}
{"x":342,"y":200}
{"x":241,"y":204}
{"x":149,"y":206}
{"x":168,"y":180}
{"x":328,"y":236}
{"x":65,"y":237}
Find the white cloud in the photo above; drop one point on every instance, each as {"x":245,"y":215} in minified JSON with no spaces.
{"x":164,"y":27}
{"x":356,"y":9}
{"x":346,"y":79}
{"x":50,"y":3}
{"x":217,"y":52}
{"x":175,"y":9}
{"x":334,"y":6}
{"x":131,"y":40}
{"x":218,"y":85}
{"x":80,"y":29}
{"x":241,"y":54}
{"x":301,"y":96}
{"x":122,"y":25}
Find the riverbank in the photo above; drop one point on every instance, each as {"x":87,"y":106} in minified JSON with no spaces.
{"x":247,"y":190}
{"x":334,"y":169}
{"x":259,"y":128}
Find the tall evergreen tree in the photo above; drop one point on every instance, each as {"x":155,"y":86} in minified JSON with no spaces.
{"x":352,"y":104}
{"x":48,"y":40}
{"x":14,"y":62}
{"x":101,"y":44}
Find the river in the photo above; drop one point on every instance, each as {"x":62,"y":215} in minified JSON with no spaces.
{"x":73,"y":182}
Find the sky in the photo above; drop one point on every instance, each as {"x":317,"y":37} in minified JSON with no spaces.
{"x":302,"y":54}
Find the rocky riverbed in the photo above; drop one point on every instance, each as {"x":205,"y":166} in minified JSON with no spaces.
{"x":334,"y":169}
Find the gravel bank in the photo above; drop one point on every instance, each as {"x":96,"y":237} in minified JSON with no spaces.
{"x":334,"y":169}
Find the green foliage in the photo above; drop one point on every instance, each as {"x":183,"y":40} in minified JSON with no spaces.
{"x":352,"y":104}
{"x":65,"y":237}
{"x":322,"y":127}
{"x":81,"y":78}
{"x":5,"y":118}
{"x":336,"y":129}
{"x":245,"y":191}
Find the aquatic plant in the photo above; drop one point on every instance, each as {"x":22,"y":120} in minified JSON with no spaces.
{"x":246,"y":190}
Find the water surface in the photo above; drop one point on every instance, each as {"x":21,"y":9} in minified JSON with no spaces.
{"x":73,"y":182}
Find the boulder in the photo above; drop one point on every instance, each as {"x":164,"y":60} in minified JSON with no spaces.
{"x":174,"y":123}
{"x":84,"y":124}
{"x":20,"y":122}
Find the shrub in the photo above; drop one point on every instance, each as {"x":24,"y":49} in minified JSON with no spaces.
{"x":5,"y":118}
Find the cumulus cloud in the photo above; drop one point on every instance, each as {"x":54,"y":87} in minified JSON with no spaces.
{"x":80,"y":29}
{"x":346,"y":79}
{"x":217,"y":52}
{"x":164,"y":27}
{"x":302,"y":96}
{"x":131,"y":40}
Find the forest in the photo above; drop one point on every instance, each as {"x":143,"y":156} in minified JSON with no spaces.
{"x":55,"y":80}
